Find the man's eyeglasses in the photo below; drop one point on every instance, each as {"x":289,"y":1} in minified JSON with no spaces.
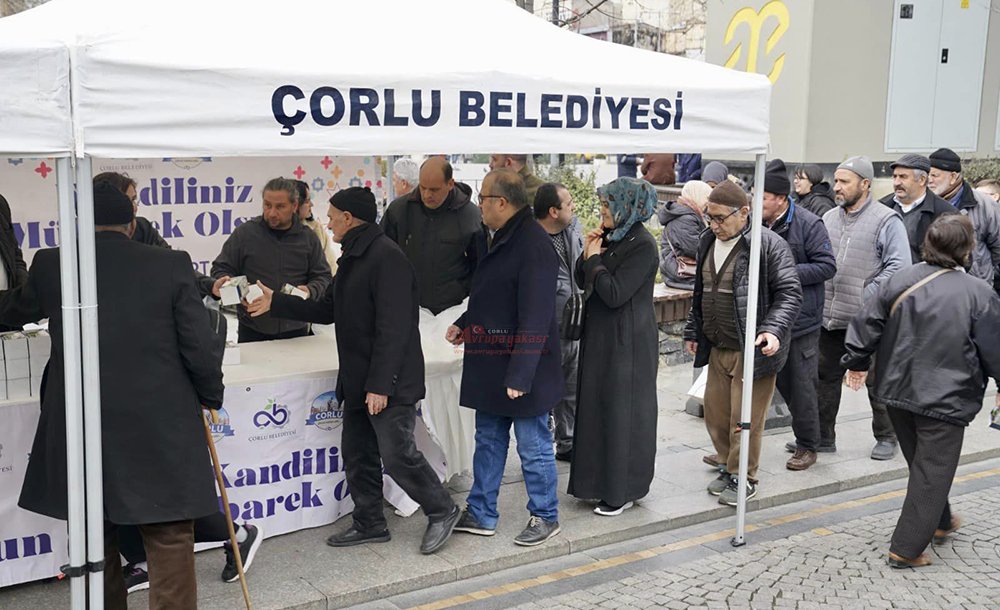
{"x":481,"y":197}
{"x":721,"y":219}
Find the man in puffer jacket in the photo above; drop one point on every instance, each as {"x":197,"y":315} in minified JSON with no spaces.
{"x":716,"y":323}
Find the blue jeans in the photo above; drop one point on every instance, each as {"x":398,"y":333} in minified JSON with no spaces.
{"x":534,"y":446}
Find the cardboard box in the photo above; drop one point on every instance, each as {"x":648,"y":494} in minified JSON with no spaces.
{"x":17,"y":369}
{"x":18,"y":388}
{"x":231,"y":355}
{"x":292,"y":290}
{"x":39,"y":345}
{"x":233,"y":291}
{"x":253,"y":293}
{"x":15,"y":346}
{"x":36,"y":386}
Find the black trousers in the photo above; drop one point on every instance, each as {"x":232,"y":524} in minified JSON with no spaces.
{"x":371,"y":441}
{"x":245,"y":334}
{"x":831,"y":381}
{"x":212,"y":528}
{"x":797,"y":384}
{"x":932,"y":448}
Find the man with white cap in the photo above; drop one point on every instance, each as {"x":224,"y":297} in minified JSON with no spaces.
{"x":870,"y":244}
{"x":945,"y":179}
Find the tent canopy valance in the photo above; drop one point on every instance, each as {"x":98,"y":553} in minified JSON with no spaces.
{"x":233,"y":78}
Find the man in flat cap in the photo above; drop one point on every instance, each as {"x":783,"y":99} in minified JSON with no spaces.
{"x":945,"y":180}
{"x":715,"y":329}
{"x":814,"y":261}
{"x":917,"y":205}
{"x":870,"y":244}
{"x":373,"y":300}
{"x":157,"y":473}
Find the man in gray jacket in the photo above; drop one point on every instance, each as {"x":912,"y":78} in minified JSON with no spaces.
{"x":870,"y":243}
{"x":554,"y":211}
{"x":945,"y":179}
{"x":276,"y":249}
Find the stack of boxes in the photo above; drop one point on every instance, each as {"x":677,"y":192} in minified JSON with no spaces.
{"x":25,"y":355}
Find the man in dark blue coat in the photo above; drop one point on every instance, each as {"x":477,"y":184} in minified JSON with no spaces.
{"x":512,"y":373}
{"x":809,"y":242}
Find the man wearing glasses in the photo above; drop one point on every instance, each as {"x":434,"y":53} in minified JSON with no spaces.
{"x":716,"y":322}
{"x":512,"y":375}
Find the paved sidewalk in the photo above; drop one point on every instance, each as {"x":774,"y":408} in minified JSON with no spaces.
{"x":299,"y":571}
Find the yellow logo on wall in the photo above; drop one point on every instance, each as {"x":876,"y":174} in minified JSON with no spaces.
{"x":755,"y":22}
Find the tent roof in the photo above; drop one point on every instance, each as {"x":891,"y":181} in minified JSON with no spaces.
{"x":196,"y":78}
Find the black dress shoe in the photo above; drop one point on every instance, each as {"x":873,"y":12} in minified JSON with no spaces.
{"x":438,"y":532}
{"x":352,"y":537}
{"x":565,"y":456}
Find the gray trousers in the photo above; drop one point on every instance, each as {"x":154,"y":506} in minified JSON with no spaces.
{"x":564,"y":413}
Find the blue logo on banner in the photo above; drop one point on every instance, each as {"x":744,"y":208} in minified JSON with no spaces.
{"x":219,"y":425}
{"x":325,"y":412}
{"x":272,"y":415}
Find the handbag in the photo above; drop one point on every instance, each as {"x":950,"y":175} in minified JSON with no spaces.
{"x":687,"y":267}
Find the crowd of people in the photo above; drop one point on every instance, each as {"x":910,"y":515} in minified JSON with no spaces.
{"x":559,"y":334}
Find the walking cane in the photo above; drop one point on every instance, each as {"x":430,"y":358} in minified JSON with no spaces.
{"x":225,"y":502}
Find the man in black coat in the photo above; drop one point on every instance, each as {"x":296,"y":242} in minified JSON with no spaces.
{"x":436,"y":225}
{"x":158,"y":368}
{"x":512,"y":374}
{"x":373,"y":302}
{"x":917,"y":204}
{"x":716,"y":324}
{"x":14,"y":271}
{"x":815,"y":263}
{"x":145,"y":232}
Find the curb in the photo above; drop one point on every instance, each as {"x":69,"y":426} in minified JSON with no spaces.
{"x":559,"y":548}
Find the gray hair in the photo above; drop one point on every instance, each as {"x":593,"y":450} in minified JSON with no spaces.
{"x":918,"y":174}
{"x":406,"y":169}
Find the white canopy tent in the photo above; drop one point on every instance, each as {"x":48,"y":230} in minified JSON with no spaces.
{"x":249,"y":78}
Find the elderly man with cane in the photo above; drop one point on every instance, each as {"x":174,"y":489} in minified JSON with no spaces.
{"x":156,"y":472}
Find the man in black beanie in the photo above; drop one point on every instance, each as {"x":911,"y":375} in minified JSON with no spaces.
{"x":945,"y":179}
{"x":809,"y":242}
{"x":156,"y":473}
{"x":373,"y":300}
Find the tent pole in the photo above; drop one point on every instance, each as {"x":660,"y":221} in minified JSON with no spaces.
{"x":756,"y":213}
{"x":91,"y":383}
{"x":76,"y":511}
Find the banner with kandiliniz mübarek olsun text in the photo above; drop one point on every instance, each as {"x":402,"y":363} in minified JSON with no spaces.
{"x":279,"y":445}
{"x":195,"y":204}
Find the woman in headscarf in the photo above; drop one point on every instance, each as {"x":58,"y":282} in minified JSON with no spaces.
{"x":615,"y":437}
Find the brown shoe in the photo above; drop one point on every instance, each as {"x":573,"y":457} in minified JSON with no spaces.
{"x":712,"y":460}
{"x":941,"y":536}
{"x":897,"y":562}
{"x":801,"y":460}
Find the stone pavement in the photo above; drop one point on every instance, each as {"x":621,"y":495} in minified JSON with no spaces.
{"x":810,"y":555}
{"x":299,"y":571}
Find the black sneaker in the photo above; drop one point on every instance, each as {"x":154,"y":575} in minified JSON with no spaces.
{"x":248,"y":548}
{"x":537,"y":531}
{"x":136,"y":579}
{"x":468,"y":524}
{"x":565,"y":456}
